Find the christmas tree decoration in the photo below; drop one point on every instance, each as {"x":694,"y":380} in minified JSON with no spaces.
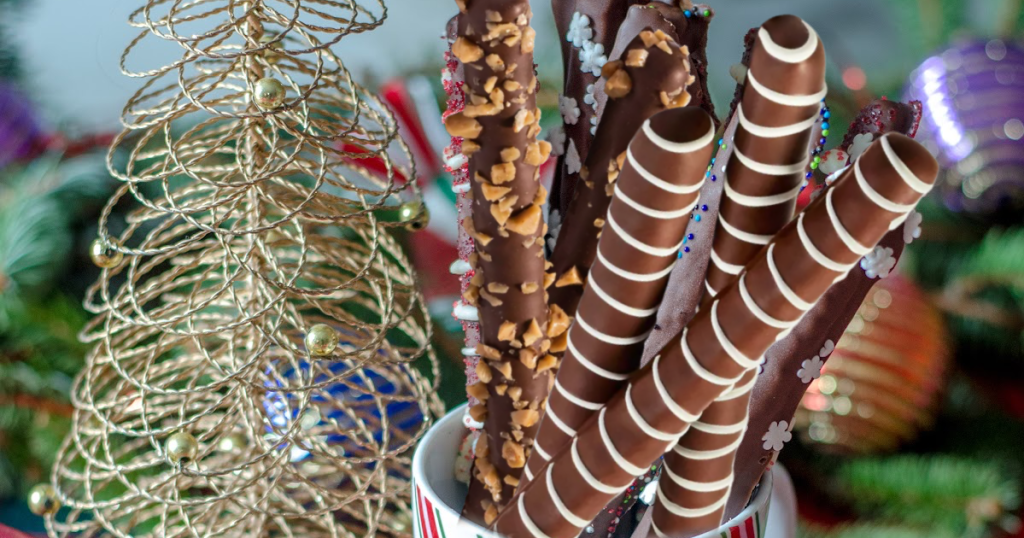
{"x":42,"y":500}
{"x":255,"y":364}
{"x":104,"y":254}
{"x":884,"y":378}
{"x":974,"y":122}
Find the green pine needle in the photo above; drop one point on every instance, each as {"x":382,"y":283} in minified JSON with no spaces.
{"x":872,"y":530}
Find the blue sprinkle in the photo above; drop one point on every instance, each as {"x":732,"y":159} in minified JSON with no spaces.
{"x":827,"y":114}
{"x":714,"y":178}
{"x":712,"y":160}
{"x":696,"y":218}
{"x":822,"y":142}
{"x":704,"y":207}
{"x":689,"y":236}
{"x":686,"y":249}
{"x":680,"y":255}
{"x":688,"y":13}
{"x":810,"y":175}
{"x":824,"y":125}
{"x":708,"y":174}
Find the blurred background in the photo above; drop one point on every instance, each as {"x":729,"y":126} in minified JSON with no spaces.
{"x":915,"y":428}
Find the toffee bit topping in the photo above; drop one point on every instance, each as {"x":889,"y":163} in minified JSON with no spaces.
{"x":479,"y":391}
{"x":511,"y":480}
{"x":509,"y":154}
{"x":462,"y":125}
{"x":599,"y":223}
{"x":529,"y":287}
{"x":558,"y":321}
{"x":478,"y":413}
{"x":547,"y":363}
{"x":549,"y":279}
{"x":636,"y":57}
{"x":469,"y":147}
{"x":494,"y":301}
{"x":526,"y":221}
{"x":511,"y":85}
{"x":528,"y":357}
{"x":486,"y":352}
{"x":483,"y":372}
{"x":503,"y":31}
{"x":518,"y":434}
{"x":521,"y":120}
{"x":503,"y":173}
{"x":513,"y":454}
{"x":494,"y":62}
{"x":500,"y":213}
{"x":618,"y":84}
{"x":466,"y":51}
{"x":490,"y":515}
{"x":498,"y":288}
{"x":505,"y":368}
{"x":537,"y":153}
{"x":559,"y":343}
{"x":529,"y":40}
{"x":533,"y":333}
{"x":525,"y":418}
{"x":501,"y":389}
{"x":493,"y":193}
{"x":568,"y":278}
{"x":472,"y":295}
{"x":490,"y":83}
{"x":492,"y":16}
{"x":515,"y":393}
{"x":507,"y":331}
{"x":678,"y":98}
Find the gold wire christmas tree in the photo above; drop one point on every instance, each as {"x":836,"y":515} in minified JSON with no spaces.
{"x":256,"y":324}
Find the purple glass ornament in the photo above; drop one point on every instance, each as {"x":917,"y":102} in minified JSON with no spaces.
{"x":20,"y":134}
{"x":973,"y":97}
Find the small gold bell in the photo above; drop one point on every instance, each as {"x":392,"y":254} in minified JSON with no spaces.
{"x":268,"y":93}
{"x":104,"y":254}
{"x":181,"y":447}
{"x":321,"y":340}
{"x":42,"y":500}
{"x":415,"y":215}
{"x":272,"y":54}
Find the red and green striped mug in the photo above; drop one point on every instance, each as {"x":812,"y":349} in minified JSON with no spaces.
{"x":437,"y":497}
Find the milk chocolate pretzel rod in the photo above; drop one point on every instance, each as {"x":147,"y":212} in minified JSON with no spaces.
{"x":642,"y":421}
{"x":653,"y":197}
{"x":781,"y":101}
{"x":779,"y":388}
{"x":499,"y":126}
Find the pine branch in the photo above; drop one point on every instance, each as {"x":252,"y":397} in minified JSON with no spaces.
{"x":872,"y":530}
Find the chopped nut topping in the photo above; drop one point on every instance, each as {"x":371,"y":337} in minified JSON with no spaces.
{"x":515,"y":393}
{"x":546,"y":363}
{"x":472,"y":295}
{"x":508,"y":202}
{"x":609,"y":191}
{"x":584,"y":172}
{"x":493,"y":193}
{"x":661,"y":35}
{"x":521,"y":120}
{"x":466,"y":51}
{"x":510,"y":154}
{"x":529,"y":287}
{"x":513,"y":454}
{"x":511,"y":69}
{"x":485,"y":256}
{"x":558,"y":343}
{"x":649,"y":38}
{"x":518,"y":434}
{"x":599,"y":223}
{"x":528,"y":357}
{"x":478,"y":413}
{"x":678,"y":98}
{"x":663,"y":45}
{"x":618,"y":84}
{"x":478,"y":391}
{"x":549,"y":279}
{"x":533,"y":333}
{"x":477,"y":99}
{"x":507,"y":331}
{"x":498,"y":288}
{"x":490,"y":515}
{"x":539,"y":199}
{"x":469,"y":147}
{"x":525,"y":418}
{"x":504,"y":367}
{"x":636,"y":57}
{"x":529,"y":40}
{"x":533,"y":132}
{"x":520,"y":405}
{"x":500,"y":214}
{"x":490,"y":83}
{"x":494,"y":62}
{"x":537,"y":153}
{"x":503,"y":173}
{"x":501,"y":389}
{"x":481,"y":238}
{"x":487,"y":352}
{"x":490,"y":298}
{"x":527,"y":243}
{"x":502,"y":31}
{"x":492,"y":16}
{"x":526,"y":221}
{"x":558,"y":321}
{"x":478,"y":278}
{"x":463,"y":125}
{"x":569,"y":278}
{"x":545,"y":345}
{"x":483,"y":372}
{"x":512,"y":86}
{"x":511,"y":480}
{"x":482,"y":448}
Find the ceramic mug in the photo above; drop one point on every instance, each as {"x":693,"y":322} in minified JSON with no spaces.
{"x":438,"y":498}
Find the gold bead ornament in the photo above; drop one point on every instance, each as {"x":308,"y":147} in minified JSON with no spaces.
{"x":321,"y":340}
{"x":42,"y":500}
{"x":415,"y":216}
{"x":268,"y":93}
{"x":181,"y":447}
{"x":104,"y":254}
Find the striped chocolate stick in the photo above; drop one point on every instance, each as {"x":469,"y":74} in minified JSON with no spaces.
{"x":779,"y":107}
{"x":499,"y":126}
{"x":655,"y":192}
{"x":643,"y":420}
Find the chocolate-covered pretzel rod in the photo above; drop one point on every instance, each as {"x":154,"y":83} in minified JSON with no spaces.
{"x":719,"y":345}
{"x":499,"y":126}
{"x":780,"y":386}
{"x":654,"y":195}
{"x":780,"y":105}
{"x":653,"y":77}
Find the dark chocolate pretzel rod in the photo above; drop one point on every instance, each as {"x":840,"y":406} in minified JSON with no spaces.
{"x":719,"y":345}
{"x":779,"y":107}
{"x":654,"y":195}
{"x":499,"y":126}
{"x":779,"y":388}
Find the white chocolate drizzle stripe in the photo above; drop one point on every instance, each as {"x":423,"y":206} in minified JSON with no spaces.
{"x":657,"y":531}
{"x":711,"y":290}
{"x":639,"y":245}
{"x":539,"y":450}
{"x":635,"y":277}
{"x":651,"y":431}
{"x":760,"y":201}
{"x":721,"y":429}
{"x":580,"y":402}
{"x":780,"y":282}
{"x":736,"y":392}
{"x":690,"y":512}
{"x":550,"y":413}
{"x":607,"y":338}
{"x":744,"y":236}
{"x":624,"y":308}
{"x":589,"y":477}
{"x":591,"y":366}
{"x":788,"y":55}
{"x":725,"y":266}
{"x":850,"y":241}
{"x":903,"y":170}
{"x":700,"y":370}
{"x":782,"y":98}
{"x":527,"y":522}
{"x":734,"y":353}
{"x":529,"y":475}
{"x":701,"y":487}
{"x":678,"y":147}
{"x":770,"y":169}
{"x":875,"y":196}
{"x":819,"y":256}
{"x":653,"y":213}
{"x":620,"y":460}
{"x":774,"y":132}
{"x":658,"y":182}
{"x":756,"y":310}
{"x":566,"y":514}
{"x":676,"y":409}
{"x":707,"y":454}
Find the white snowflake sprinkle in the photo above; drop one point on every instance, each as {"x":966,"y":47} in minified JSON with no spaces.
{"x":912,"y":227}
{"x":590,"y":97}
{"x":738,"y":72}
{"x":592,"y":58}
{"x":778,"y":435}
{"x":833,"y":161}
{"x":570,"y":110}
{"x":593,"y":124}
{"x":554,"y":227}
{"x":810,"y":369}
{"x":556,"y":136}
{"x":859,"y":145}
{"x":580,"y":31}
{"x":573,"y":165}
{"x":878,"y":263}
{"x":827,"y":348}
